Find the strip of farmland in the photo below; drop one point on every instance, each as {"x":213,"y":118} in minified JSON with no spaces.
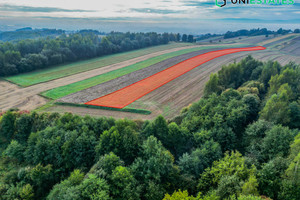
{"x":127,"y":95}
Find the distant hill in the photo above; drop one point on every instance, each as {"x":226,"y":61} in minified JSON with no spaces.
{"x":29,"y":33}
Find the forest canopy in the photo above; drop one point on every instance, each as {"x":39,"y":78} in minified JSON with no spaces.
{"x":32,"y":54}
{"x":241,"y":141}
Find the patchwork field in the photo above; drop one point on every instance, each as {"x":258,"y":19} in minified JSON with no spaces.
{"x":113,"y":74}
{"x":20,"y":96}
{"x":87,"y":80}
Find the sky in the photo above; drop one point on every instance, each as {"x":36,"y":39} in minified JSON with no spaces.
{"x":190,"y":16}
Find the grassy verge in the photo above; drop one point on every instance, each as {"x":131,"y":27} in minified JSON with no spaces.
{"x":44,"y":107}
{"x":62,"y":91}
{"x":131,"y":110}
{"x":60,"y":71}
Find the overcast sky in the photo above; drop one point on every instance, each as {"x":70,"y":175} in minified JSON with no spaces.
{"x":150,"y":12}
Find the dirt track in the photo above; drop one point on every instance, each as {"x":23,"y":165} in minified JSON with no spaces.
{"x":24,"y":96}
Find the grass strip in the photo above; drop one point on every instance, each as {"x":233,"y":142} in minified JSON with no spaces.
{"x":131,"y":110}
{"x":62,"y":91}
{"x":64,"y":70}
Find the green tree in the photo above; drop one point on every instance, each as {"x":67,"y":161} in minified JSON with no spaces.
{"x":12,"y":57}
{"x":231,"y":164}
{"x":27,"y":192}
{"x":177,"y":140}
{"x":158,"y":128}
{"x":106,"y":164}
{"x":288,"y":76}
{"x":277,"y":142}
{"x":94,"y":188}
{"x":250,"y":186}
{"x":179,"y":195}
{"x":249,"y":197}
{"x":269,"y":69}
{"x":154,"y":168}
{"x":7,"y":125}
{"x":122,"y":139}
{"x":190,"y":38}
{"x":41,"y":178}
{"x":277,"y":107}
{"x":61,"y":190}
{"x":15,"y":151}
{"x":184,"y":38}
{"x":231,"y":76}
{"x":228,"y":186}
{"x":212,"y":86}
{"x":200,"y":159}
{"x":23,"y":128}
{"x":78,"y":150}
{"x":294,"y":108}
{"x":123,"y":184}
{"x":269,"y":177}
{"x":291,"y":178}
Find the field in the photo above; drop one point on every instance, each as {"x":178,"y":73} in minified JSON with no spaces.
{"x":102,"y":79}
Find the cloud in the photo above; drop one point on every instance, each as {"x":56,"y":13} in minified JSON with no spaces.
{"x":174,"y":12}
{"x":16,"y":8}
{"x":155,"y":11}
{"x":198,"y":3}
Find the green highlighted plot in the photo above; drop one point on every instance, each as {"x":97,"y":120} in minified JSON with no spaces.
{"x":62,"y":91}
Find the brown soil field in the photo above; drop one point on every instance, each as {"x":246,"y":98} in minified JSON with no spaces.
{"x":97,"y":91}
{"x":28,"y":103}
{"x":293,"y":47}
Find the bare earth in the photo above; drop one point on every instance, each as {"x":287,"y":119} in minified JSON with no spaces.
{"x":28,"y":103}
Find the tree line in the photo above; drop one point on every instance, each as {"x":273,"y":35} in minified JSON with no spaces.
{"x":28,"y":55}
{"x":245,"y":32}
{"x":29,"y":33}
{"x":255,"y":32}
{"x":241,"y":141}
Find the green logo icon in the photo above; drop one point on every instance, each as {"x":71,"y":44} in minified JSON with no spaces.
{"x":221,"y":5}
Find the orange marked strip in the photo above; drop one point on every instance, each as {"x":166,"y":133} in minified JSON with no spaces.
{"x":127,"y":95}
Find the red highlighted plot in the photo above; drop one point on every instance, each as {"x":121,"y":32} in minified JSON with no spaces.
{"x":127,"y":95}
